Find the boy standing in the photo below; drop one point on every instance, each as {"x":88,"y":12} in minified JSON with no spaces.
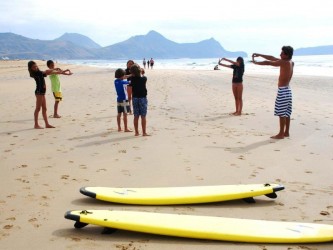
{"x":140,"y":102}
{"x":56,"y":87}
{"x":123,"y":106}
{"x":283,"y":102}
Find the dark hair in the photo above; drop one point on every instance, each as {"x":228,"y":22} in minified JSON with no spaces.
{"x":49,"y":62}
{"x":288,"y":50}
{"x":135,"y":70}
{"x":30,"y":64}
{"x":129,"y":61}
{"x":119,"y":73}
{"x":241,"y":60}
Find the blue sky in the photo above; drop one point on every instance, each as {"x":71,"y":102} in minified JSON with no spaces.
{"x":253,"y":26}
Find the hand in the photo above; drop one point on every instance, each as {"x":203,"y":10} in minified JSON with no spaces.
{"x":253,"y":56}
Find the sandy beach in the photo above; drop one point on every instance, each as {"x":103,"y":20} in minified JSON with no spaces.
{"x":194,"y":142}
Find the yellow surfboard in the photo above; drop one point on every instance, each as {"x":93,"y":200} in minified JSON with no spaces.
{"x":205,"y":227}
{"x":181,"y":195}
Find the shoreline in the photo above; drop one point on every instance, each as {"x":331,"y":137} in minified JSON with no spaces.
{"x":194,"y":142}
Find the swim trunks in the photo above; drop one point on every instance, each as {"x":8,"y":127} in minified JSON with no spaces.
{"x":123,"y":107}
{"x":57,"y":96}
{"x":283,"y":102}
{"x":140,"y":106}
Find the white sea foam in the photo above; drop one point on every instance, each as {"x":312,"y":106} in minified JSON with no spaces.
{"x":304,"y":65}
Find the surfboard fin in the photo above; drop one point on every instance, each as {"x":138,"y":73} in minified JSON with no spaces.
{"x":79,"y":224}
{"x":249,"y":200}
{"x":271,"y":195}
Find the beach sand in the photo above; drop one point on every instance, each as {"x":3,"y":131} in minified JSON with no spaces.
{"x":194,"y":141}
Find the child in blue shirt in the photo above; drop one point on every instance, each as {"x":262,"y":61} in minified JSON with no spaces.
{"x":123,"y":106}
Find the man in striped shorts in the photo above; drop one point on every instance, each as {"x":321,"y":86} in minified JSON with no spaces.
{"x":283,"y":102}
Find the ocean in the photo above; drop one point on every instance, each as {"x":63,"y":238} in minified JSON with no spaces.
{"x":321,"y":65}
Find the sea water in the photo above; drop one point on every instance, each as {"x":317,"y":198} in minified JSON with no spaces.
{"x":321,"y":65}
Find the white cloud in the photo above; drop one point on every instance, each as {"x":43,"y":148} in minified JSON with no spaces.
{"x":246,"y":25}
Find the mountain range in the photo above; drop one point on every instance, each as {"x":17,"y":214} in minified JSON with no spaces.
{"x":153,"y":44}
{"x":77,"y":46}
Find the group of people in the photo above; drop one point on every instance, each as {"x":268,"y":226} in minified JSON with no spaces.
{"x":149,"y":63}
{"x":283,"y":102}
{"x":131,"y":90}
{"x":40,"y":91}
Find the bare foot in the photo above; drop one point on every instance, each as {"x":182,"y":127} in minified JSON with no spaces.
{"x":49,"y":126}
{"x":38,"y":127}
{"x":56,"y":116}
{"x":137,"y":134}
{"x":128,"y":130}
{"x":234,"y":113}
{"x":278,"y":136}
{"x":119,"y":130}
{"x":145,"y":134}
{"x":286,"y":134}
{"x":238,"y":113}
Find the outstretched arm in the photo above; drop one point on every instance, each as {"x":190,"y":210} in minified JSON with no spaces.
{"x":267,"y":57}
{"x":52,"y":71}
{"x":271,"y":63}
{"x":67,"y":72}
{"x":224,"y":65}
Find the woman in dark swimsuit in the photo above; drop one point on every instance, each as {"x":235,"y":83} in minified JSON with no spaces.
{"x":237,"y":81}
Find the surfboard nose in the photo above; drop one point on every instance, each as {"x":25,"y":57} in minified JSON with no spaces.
{"x":86,"y":192}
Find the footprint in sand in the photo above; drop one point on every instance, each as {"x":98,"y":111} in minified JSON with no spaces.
{"x":65,"y":177}
{"x":8,"y":227}
{"x":241,"y":157}
{"x":126,"y":172}
{"x":34,"y":221}
{"x":101,"y":169}
{"x":22,"y":180}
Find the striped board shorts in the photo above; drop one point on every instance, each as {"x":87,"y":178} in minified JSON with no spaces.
{"x":283,"y":102}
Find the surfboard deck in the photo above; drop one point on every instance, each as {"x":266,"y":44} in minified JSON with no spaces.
{"x":205,"y":227}
{"x":181,"y":195}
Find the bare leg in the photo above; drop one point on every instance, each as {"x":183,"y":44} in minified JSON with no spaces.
{"x":238,"y":92}
{"x":44,"y":109}
{"x":55,"y":113}
{"x":280,"y":135}
{"x":136,"y":125}
{"x":118,"y":122}
{"x":125,"y":123}
{"x":240,"y":98}
{"x":37,"y":109}
{"x":286,"y":132}
{"x":234,"y":91}
{"x":144,"y":125}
